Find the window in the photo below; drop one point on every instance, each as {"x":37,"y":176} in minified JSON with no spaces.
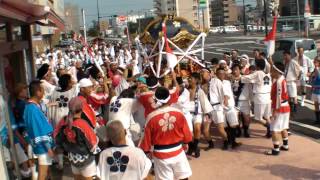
{"x":283,"y":45}
{"x":307,"y":45}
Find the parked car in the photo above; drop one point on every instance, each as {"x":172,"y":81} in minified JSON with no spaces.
{"x":291,"y":44}
{"x":286,"y":28}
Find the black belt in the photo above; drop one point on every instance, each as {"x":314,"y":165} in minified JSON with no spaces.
{"x":284,"y":101}
{"x":214,"y":104}
{"x":161,"y":147}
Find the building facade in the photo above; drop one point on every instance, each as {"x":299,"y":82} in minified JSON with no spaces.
{"x":224,"y":12}
{"x":289,"y":7}
{"x":45,"y":37}
{"x":72,"y":17}
{"x":188,"y":9}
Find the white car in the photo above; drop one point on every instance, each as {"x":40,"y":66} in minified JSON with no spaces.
{"x":229,"y":29}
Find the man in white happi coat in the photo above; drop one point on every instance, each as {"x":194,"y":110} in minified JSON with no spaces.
{"x":261,"y":94}
{"x":122,"y":162}
{"x":307,"y":67}
{"x":292,"y":73}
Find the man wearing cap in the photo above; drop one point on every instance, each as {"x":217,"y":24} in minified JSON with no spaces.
{"x":88,"y":114}
{"x":168,"y":132}
{"x":280,"y":110}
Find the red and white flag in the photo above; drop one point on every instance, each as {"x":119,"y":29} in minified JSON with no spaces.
{"x":270,"y":39}
{"x":171,"y":58}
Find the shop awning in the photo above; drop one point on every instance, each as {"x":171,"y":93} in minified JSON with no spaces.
{"x":24,"y":11}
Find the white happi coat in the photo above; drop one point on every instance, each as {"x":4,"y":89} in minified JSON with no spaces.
{"x":123,"y":163}
{"x":182,"y":104}
{"x":61,"y":109}
{"x":261,"y":86}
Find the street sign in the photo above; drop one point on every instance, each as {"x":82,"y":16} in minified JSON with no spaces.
{"x":202,"y":3}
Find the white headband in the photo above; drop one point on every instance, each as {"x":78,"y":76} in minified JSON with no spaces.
{"x":277,"y":69}
{"x":162,"y":101}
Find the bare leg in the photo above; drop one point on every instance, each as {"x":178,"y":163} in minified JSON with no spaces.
{"x":43,"y":172}
{"x":207,"y":135}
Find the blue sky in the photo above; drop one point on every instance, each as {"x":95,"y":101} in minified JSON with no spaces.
{"x":109,"y":7}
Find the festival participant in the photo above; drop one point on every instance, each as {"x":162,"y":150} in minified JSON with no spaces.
{"x":234,"y":57}
{"x":39,"y":129}
{"x":256,"y":55}
{"x":88,"y":113}
{"x":244,"y":62}
{"x":280,"y":110}
{"x":146,"y":98}
{"x":199,"y":108}
{"x":44,"y":75}
{"x":77,"y":138}
{"x":122,"y":108}
{"x":183,"y":102}
{"x":307,"y":67}
{"x":168,"y":132}
{"x":217,"y":100}
{"x":122,"y":162}
{"x":315,"y":81}
{"x":61,"y":97}
{"x":242,"y":93}
{"x":227,"y":58}
{"x":261,"y":92}
{"x":292,"y":74}
{"x":231,"y":116}
{"x":206,"y":75}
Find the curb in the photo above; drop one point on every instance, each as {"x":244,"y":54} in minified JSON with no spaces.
{"x":308,"y":130}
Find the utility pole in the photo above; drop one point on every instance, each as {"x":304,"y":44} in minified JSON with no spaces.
{"x":98,"y":17}
{"x":203,"y":20}
{"x":244,"y":19}
{"x":299,"y":19}
{"x":265,"y":18}
{"x":84,"y":25}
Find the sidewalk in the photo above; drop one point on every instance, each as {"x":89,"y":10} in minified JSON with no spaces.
{"x":249,"y":161}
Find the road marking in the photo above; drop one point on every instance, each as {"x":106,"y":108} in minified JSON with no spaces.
{"x":305,"y":125}
{"x":227,"y":49}
{"x":231,"y":43}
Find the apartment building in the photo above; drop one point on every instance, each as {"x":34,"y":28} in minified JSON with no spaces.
{"x":188,"y":9}
{"x":224,"y":12}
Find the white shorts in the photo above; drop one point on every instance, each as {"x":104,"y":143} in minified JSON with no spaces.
{"x":197,"y":119}
{"x":21,"y":155}
{"x":44,"y":159}
{"x":244,"y":107}
{"x":315,"y":97}
{"x":292,"y":89}
{"x":87,"y":171}
{"x":232,"y":117}
{"x":189,"y":117}
{"x":172,"y":168}
{"x":280,"y":122}
{"x":218,"y":117}
{"x":262,"y":111}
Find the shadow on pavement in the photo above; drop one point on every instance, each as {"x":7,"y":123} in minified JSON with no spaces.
{"x":290,"y":172}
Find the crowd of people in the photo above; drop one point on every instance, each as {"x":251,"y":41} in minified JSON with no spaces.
{"x":102,"y":109}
